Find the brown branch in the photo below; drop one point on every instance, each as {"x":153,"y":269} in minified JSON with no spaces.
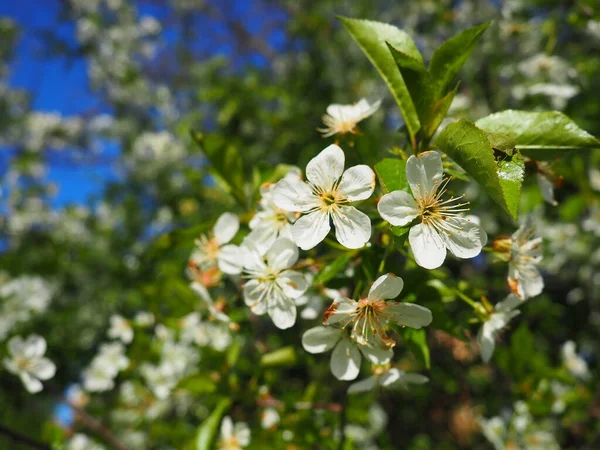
{"x":21,"y":438}
{"x":97,"y":427}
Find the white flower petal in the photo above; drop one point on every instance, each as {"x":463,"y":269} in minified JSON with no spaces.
{"x":340,"y":309}
{"x":409,"y":314}
{"x":254,"y":296}
{"x":326,"y":168}
{"x":231,"y":259}
{"x":311,"y":229}
{"x":377,"y":355}
{"x":547,"y":189}
{"x":345,"y":360}
{"x":226,"y":227}
{"x":532,"y":282}
{"x":43,"y":368}
{"x":427,"y":246}
{"x":463,"y":238}
{"x":263,"y":237}
{"x":352,"y":227}
{"x":387,"y":286}
{"x":283,"y":254}
{"x":226,"y":428}
{"x":357,"y":183}
{"x":424,"y":173}
{"x":508,"y":304}
{"x":291,"y":195}
{"x":282,"y":310}
{"x":16,"y":346}
{"x":398,"y":208}
{"x":366,"y":385}
{"x":293,"y":283}
{"x":391,"y":376}
{"x":321,"y":339}
{"x":32,"y":384}
{"x":487,"y":343}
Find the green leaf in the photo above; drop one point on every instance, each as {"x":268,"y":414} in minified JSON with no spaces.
{"x":417,"y":80}
{"x":392,"y":175}
{"x":372,"y":38}
{"x":539,"y":135}
{"x":285,"y":356}
{"x":449,"y":57}
{"x":470,"y":147}
{"x":416,"y":340}
{"x":226,"y":164}
{"x":438,"y":112}
{"x":208,"y":429}
{"x":332,"y":269}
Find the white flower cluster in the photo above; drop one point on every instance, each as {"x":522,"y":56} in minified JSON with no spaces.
{"x":22,"y":298}
{"x":518,"y":431}
{"x":153,"y":151}
{"x":105,"y":367}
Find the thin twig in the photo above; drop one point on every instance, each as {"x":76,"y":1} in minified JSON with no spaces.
{"x":97,"y":427}
{"x":21,"y":438}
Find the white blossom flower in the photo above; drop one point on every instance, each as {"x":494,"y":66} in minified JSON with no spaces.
{"x":211,"y":250}
{"x":504,"y":312}
{"x":347,"y":354}
{"x":272,"y":222}
{"x":524,"y":277}
{"x":233,"y":437}
{"x":342,"y":119}
{"x":201,"y":333}
{"x":369,"y":317}
{"x":574,"y":363}
{"x":209,"y":303}
{"x":161,"y":379}
{"x":120,"y":328}
{"x":269,"y":418}
{"x":387,"y":379}
{"x":271,"y":287}
{"x":98,"y":378}
{"x":104,"y":368}
{"x":144,"y":319}
{"x":28,"y":362}
{"x":80,"y":441}
{"x":327,"y":195}
{"x":440,"y":226}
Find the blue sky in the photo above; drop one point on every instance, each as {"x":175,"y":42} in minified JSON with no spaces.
{"x":54,"y":87}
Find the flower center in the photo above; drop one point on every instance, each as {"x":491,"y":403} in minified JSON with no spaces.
{"x":434,"y":210}
{"x":22,"y":363}
{"x":231,"y":443}
{"x":370,"y":318}
{"x":330,"y":200}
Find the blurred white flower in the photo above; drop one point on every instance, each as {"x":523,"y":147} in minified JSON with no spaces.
{"x":27,"y":361}
{"x":574,"y":363}
{"x":80,"y":441}
{"x":211,"y":250}
{"x":524,"y":277}
{"x":104,"y":368}
{"x":271,"y":287}
{"x":144,"y":319}
{"x":504,"y":312}
{"x":327,"y":195}
{"x":387,"y":379}
{"x":269,"y":418}
{"x":120,"y":328}
{"x":161,"y":379}
{"x":272,"y":222}
{"x":346,"y":356}
{"x":233,"y":437}
{"x":368,"y":318}
{"x":342,"y":119}
{"x":441,"y":225}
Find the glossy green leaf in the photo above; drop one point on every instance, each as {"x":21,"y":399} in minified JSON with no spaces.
{"x":372,"y":37}
{"x":417,"y":81}
{"x":449,"y":57}
{"x":208,"y":429}
{"x":470,"y":147}
{"x":392,"y":175}
{"x":539,"y":135}
{"x":330,"y":270}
